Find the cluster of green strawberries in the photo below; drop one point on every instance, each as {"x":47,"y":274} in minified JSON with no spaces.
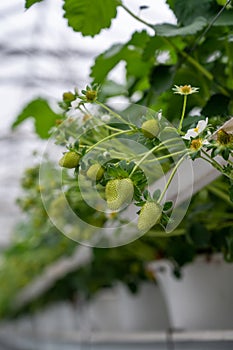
{"x":122,"y":181}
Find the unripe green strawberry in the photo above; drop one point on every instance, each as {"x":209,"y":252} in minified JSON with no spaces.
{"x":150,"y":215}
{"x":69,"y":160}
{"x":95,"y":172}
{"x":119,"y":192}
{"x":150,"y":128}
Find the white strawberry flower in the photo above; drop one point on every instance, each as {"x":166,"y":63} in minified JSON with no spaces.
{"x":105,"y":118}
{"x":73,"y":111}
{"x":194,"y":132}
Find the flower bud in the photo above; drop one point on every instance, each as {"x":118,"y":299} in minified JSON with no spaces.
{"x":91,"y":95}
{"x":68,"y":96}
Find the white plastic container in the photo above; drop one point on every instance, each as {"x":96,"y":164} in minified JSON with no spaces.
{"x":202,"y":298}
{"x":117,"y":310}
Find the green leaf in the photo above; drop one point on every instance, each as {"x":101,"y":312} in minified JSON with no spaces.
{"x":156,"y":194}
{"x":216,"y":105}
{"x":156,"y":45}
{"x":110,"y":88}
{"x":161,"y":78}
{"x":231,"y":192}
{"x":44,"y":117}
{"x":169,"y":30}
{"x":187,"y":11}
{"x":139,"y":39}
{"x":105,"y":62}
{"x":29,"y":3}
{"x":131,"y":52}
{"x":167,"y":205}
{"x":88,"y":16}
{"x":199,"y":235}
{"x":226,"y":19}
{"x":171,"y":4}
{"x":136,"y":67}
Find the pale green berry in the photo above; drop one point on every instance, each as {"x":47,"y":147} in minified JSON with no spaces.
{"x":150,"y":215}
{"x":69,"y":160}
{"x":119,"y":192}
{"x":95,"y":172}
{"x":150,"y":128}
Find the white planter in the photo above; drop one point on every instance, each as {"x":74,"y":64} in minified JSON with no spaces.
{"x":117,"y":310}
{"x":202,"y":298}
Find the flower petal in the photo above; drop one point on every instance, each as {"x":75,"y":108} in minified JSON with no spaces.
{"x":201,"y":125}
{"x":190,"y":133}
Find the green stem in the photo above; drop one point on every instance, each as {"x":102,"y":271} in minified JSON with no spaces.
{"x":190,"y":59}
{"x":172,"y":155}
{"x":111,"y":127}
{"x":143,"y":158}
{"x":116,"y":115}
{"x":170,"y":178}
{"x":108,"y":138}
{"x":220,"y":194}
{"x":161,"y":146}
{"x":136,"y":17}
{"x":183,"y":114}
{"x":213,"y":161}
{"x":177,"y":232}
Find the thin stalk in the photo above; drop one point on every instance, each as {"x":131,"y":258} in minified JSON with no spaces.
{"x":209,"y":25}
{"x":190,"y":59}
{"x":113,"y":113}
{"x":177,"y":232}
{"x":183,"y":114}
{"x":170,"y":178}
{"x":143,"y":158}
{"x":150,"y":25}
{"x":159,"y":149}
{"x":213,"y":161}
{"x":220,"y":194}
{"x":171,"y":155}
{"x":108,"y":138}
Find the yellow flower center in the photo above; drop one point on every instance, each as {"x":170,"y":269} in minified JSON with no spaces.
{"x":196,"y":129}
{"x":186,"y":89}
{"x":223,"y":137}
{"x":196,"y":145}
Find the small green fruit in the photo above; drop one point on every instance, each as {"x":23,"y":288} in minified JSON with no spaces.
{"x":150,"y":128}
{"x":95,"y":172}
{"x":119,"y":192}
{"x":69,"y":160}
{"x":150,"y":215}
